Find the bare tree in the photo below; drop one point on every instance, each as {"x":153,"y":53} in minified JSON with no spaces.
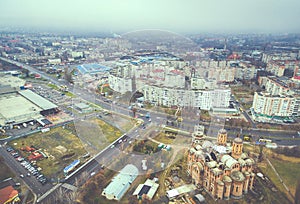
{"x":64,"y":196}
{"x":68,"y":75}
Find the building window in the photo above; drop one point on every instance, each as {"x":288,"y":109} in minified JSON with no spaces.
{"x":237,"y":189}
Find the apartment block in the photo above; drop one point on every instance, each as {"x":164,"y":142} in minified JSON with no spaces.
{"x":271,"y":105}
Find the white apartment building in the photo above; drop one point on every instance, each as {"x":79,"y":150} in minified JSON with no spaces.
{"x":275,"y":86}
{"x":280,"y":105}
{"x":212,"y":64}
{"x":245,"y":72}
{"x":224,"y":74}
{"x":296,"y":111}
{"x":277,"y":68}
{"x":278,"y":85}
{"x":203,"y":99}
{"x":162,"y":84}
{"x":203,"y":83}
{"x":174,"y":80}
{"x":267,"y":57}
{"x":120,"y":84}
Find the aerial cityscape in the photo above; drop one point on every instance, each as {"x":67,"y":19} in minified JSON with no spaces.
{"x":163,"y":102}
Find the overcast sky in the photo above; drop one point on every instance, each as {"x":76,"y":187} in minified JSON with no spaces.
{"x":175,"y":15}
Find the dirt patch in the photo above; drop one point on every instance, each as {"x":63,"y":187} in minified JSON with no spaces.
{"x":61,"y":149}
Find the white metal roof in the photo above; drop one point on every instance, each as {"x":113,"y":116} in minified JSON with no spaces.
{"x":120,"y":183}
{"x":37,"y":100}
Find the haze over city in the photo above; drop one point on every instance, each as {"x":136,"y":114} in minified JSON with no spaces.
{"x":268,"y":16}
{"x":139,"y":101}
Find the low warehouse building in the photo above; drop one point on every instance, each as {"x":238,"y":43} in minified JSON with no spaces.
{"x":121,"y":183}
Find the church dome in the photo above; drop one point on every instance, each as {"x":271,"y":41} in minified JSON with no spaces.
{"x":238,"y":140}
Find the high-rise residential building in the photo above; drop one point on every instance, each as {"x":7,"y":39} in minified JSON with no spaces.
{"x":203,"y":99}
{"x":272,"y":105}
{"x":277,"y":86}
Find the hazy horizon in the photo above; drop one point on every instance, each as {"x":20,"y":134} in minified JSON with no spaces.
{"x":267,"y":16}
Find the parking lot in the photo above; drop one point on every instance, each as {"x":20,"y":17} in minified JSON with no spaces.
{"x":52,"y":95}
{"x":32,"y":169}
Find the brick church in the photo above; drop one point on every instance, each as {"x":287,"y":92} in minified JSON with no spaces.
{"x":222,"y":169}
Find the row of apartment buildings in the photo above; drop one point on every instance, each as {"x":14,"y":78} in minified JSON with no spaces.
{"x":174,"y":73}
{"x":162,"y":84}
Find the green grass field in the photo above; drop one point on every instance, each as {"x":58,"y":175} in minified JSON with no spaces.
{"x":289,"y":172}
{"x":109,"y":131}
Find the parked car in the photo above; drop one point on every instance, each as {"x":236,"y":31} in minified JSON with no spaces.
{"x":16,"y":155}
{"x":34,"y":173}
{"x":20,"y":159}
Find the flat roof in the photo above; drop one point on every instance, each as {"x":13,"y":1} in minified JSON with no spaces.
{"x":43,"y":103}
{"x":12,"y":81}
{"x":181,"y":190}
{"x":92,"y":68}
{"x":16,"y":108}
{"x":82,"y":106}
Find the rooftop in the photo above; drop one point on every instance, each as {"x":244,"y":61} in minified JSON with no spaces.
{"x":237,"y":176}
{"x":82,"y":105}
{"x":8,"y":80}
{"x":181,"y":190}
{"x":120,"y":183}
{"x":92,"y":68}
{"x":8,"y":194}
{"x":238,"y":140}
{"x":43,"y":103}
{"x":16,"y":108}
{"x":149,"y":188}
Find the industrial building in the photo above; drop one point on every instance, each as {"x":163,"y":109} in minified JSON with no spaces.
{"x":20,"y":106}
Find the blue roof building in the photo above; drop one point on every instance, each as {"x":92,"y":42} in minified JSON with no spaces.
{"x":121,"y":183}
{"x":92,"y":68}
